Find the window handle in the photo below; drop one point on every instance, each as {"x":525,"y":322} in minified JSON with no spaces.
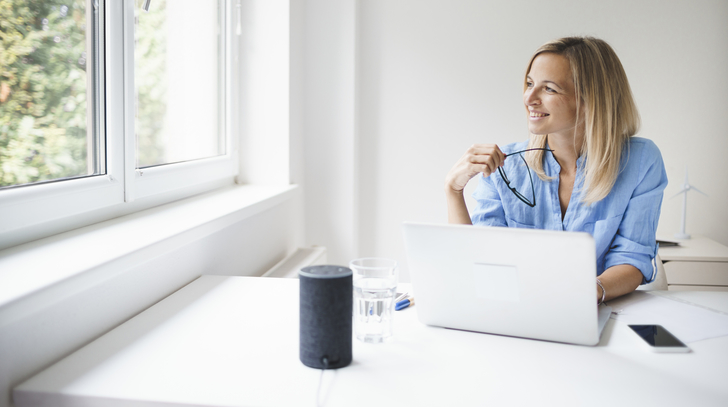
{"x":145,"y":6}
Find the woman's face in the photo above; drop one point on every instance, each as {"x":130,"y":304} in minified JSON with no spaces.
{"x":549,"y":97}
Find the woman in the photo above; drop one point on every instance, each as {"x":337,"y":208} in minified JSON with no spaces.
{"x":593,"y":175}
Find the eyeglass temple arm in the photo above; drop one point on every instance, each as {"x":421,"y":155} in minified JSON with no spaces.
{"x":529,"y":149}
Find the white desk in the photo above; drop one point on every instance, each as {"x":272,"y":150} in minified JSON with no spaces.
{"x":699,"y":263}
{"x":233,"y":341}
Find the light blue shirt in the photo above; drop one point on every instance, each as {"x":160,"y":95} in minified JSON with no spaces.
{"x":623,"y":224}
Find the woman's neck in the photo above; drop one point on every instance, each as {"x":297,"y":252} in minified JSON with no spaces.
{"x":566,"y":150}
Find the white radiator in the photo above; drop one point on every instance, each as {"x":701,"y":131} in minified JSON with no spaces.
{"x":303,"y":257}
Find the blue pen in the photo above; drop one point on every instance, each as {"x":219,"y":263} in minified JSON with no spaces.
{"x":404,"y":304}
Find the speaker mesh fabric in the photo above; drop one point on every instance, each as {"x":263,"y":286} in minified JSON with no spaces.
{"x":325,"y":316}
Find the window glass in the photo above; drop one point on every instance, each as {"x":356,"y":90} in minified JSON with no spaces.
{"x":177,"y":57}
{"x":46,"y":83}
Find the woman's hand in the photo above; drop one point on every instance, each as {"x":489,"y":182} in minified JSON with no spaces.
{"x":479,"y":158}
{"x":484,"y":158}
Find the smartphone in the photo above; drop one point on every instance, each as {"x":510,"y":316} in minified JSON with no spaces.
{"x":659,"y":339}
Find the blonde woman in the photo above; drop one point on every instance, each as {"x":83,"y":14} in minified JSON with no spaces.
{"x":590,"y":173}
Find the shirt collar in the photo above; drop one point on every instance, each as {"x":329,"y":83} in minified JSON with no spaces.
{"x":552,"y":166}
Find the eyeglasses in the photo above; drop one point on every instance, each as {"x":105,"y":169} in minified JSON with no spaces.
{"x":519,"y":195}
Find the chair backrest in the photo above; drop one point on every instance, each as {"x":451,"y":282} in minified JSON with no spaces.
{"x":660,"y":281}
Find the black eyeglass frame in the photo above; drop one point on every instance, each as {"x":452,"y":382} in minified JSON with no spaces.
{"x":530,"y":178}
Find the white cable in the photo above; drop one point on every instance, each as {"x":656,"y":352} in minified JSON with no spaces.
{"x":321,"y":379}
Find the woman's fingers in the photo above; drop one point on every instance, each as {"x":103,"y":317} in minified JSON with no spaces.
{"x":479,"y":158}
{"x":490,"y":151}
{"x":489,"y":162}
{"x":487,"y":154}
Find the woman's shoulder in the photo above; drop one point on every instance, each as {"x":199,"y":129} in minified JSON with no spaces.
{"x":642,"y":155}
{"x":645,"y":147}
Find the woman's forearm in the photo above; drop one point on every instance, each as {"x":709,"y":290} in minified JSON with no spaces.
{"x":457,"y":211}
{"x":619,"y":280}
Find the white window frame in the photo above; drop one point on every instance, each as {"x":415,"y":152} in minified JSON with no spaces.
{"x":35,"y":211}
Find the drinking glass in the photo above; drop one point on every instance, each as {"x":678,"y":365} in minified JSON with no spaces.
{"x":375,"y":283}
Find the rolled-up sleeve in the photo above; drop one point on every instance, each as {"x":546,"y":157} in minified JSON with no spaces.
{"x":489,"y":208}
{"x":635,"y":241}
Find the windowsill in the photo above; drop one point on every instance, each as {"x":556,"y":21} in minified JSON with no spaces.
{"x":64,"y":264}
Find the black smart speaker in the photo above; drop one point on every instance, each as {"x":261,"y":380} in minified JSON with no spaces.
{"x":325,"y":319}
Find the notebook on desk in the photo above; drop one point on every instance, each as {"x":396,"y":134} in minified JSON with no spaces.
{"x":527,"y":283}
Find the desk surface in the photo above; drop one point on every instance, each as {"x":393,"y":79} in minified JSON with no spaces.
{"x":699,"y":248}
{"x":233,"y":341}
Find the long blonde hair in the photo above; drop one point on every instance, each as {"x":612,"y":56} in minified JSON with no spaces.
{"x":609,"y":112}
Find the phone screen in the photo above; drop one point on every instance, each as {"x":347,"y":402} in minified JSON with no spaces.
{"x":657,"y":336}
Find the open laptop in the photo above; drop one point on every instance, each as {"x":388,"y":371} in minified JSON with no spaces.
{"x":528,"y":283}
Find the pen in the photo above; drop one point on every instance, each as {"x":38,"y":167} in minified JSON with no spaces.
{"x":400,"y":297}
{"x":404,"y":304}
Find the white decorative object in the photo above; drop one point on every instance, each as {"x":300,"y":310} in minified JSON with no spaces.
{"x":685,"y":188}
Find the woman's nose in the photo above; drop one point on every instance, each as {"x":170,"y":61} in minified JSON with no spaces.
{"x":530,"y":98}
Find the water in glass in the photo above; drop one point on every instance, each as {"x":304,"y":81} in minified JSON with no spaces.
{"x":373,"y":309}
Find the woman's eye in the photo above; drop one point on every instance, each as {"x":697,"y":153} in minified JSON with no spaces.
{"x":529,"y":84}
{"x":550,"y":90}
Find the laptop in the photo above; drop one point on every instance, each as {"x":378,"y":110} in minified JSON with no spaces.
{"x":528,"y":283}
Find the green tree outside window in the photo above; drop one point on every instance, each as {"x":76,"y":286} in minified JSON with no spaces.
{"x":43,"y":61}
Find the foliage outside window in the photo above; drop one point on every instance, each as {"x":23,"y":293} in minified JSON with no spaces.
{"x":43,"y":91}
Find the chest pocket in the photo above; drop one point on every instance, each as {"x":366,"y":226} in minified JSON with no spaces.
{"x":520,"y":215}
{"x":517,"y":213}
{"x":516,"y":224}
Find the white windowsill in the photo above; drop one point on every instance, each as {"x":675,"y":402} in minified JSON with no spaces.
{"x":64,"y":264}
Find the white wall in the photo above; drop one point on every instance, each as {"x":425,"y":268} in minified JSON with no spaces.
{"x":434,"y":77}
{"x":328,"y":72}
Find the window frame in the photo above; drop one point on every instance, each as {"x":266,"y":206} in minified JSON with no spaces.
{"x":36,"y":211}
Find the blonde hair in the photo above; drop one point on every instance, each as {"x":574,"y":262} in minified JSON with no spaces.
{"x":609,"y":112}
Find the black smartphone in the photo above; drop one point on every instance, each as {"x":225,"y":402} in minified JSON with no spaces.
{"x":659,"y":339}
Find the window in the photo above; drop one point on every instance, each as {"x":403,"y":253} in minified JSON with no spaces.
{"x":106,"y":109}
{"x":48,"y":80}
{"x":177,"y":82}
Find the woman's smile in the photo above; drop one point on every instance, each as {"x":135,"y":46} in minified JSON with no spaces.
{"x":533,"y":115}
